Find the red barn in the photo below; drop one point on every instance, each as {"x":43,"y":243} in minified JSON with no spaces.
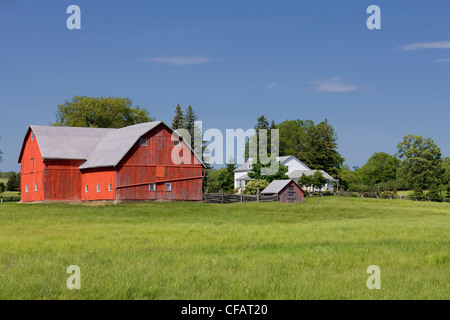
{"x":85,"y":164}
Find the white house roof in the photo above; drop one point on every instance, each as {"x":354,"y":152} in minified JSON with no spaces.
{"x":296,"y":174}
{"x":67,"y":142}
{"x":276,"y":186}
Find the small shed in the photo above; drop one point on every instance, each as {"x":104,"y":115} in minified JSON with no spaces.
{"x":287,"y":191}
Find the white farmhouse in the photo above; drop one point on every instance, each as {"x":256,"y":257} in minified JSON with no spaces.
{"x":295,"y":167}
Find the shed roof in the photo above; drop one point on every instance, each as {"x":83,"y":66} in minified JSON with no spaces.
{"x":276,"y":186}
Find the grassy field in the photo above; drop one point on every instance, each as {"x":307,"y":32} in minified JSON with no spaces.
{"x":236,"y":251}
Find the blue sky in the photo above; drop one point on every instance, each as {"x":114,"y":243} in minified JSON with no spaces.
{"x":233,"y":61}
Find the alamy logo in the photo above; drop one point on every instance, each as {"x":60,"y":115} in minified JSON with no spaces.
{"x":74,"y":21}
{"x":374,"y":21}
{"x":374,"y":281}
{"x":74,"y":281}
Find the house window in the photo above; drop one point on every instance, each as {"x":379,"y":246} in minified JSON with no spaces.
{"x":26,"y":189}
{"x":86,"y":189}
{"x":168,"y":186}
{"x":176,"y":143}
{"x":110,"y":187}
{"x":143,"y":142}
{"x":35,"y":187}
{"x":152,"y":187}
{"x":32,"y":136}
{"x":98,"y":187}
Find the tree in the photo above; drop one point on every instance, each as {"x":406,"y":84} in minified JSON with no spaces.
{"x":1,"y":153}
{"x":446,"y":167}
{"x":13,"y":183}
{"x":226,"y":177}
{"x":321,"y":149}
{"x":103,"y":112}
{"x":257,"y":173}
{"x":422,"y":163}
{"x":253,"y":186}
{"x":305,"y":182}
{"x":381,"y":167}
{"x":350,"y":180}
{"x":2,"y":187}
{"x":178,"y":119}
{"x":317,"y":181}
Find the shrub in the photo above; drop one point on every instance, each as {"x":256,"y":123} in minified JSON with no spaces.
{"x":252,"y":186}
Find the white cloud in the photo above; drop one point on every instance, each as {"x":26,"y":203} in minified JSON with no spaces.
{"x":426,"y":45}
{"x":333,"y":85}
{"x":179,"y":61}
{"x":442,"y":60}
{"x":272,"y":86}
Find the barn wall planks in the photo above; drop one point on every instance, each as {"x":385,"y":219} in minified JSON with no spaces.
{"x":152,"y":163}
{"x":31,"y":173}
{"x":147,"y":162}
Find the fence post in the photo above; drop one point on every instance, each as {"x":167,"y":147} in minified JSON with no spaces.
{"x":222,"y":196}
{"x":257,"y":194}
{"x":242,"y":197}
{"x":1,"y":199}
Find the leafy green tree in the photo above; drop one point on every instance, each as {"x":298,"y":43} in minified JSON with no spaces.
{"x":13,"y":183}
{"x":2,"y":187}
{"x":350,"y":180}
{"x":422,"y":163}
{"x":381,"y":167}
{"x":446,"y":167}
{"x":257,"y":173}
{"x":103,"y":112}
{"x":448,"y":191}
{"x":418,"y":192}
{"x":321,"y":149}
{"x":317,"y":181}
{"x":178,"y":119}
{"x":253,"y":186}
{"x":212,"y":183}
{"x":433,"y":194}
{"x":1,"y":154}
{"x":226,"y":177}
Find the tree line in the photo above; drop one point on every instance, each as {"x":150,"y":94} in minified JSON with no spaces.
{"x":417,"y":166}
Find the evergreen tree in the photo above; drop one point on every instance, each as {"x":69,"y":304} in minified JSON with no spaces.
{"x":226,"y":177}
{"x":178,"y":119}
{"x":13,"y":183}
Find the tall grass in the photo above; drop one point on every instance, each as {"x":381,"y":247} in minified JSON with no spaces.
{"x":236,"y":251}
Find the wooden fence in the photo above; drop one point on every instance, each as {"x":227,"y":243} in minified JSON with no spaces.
{"x":234,"y":198}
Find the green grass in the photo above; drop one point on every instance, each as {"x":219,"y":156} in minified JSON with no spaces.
{"x":235,"y":251}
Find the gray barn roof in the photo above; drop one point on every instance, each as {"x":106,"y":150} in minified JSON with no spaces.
{"x":116,"y":144}
{"x":67,"y":142}
{"x":99,"y":147}
{"x":276,"y":186}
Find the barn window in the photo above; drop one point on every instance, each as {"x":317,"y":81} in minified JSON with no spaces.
{"x":168,"y":186}
{"x":98,"y":187}
{"x":152,"y":187}
{"x":291,"y":194}
{"x":32,"y":136}
{"x":291,"y":187}
{"x":26,"y":189}
{"x":143,"y":142}
{"x":176,"y":143}
{"x":86,"y":189}
{"x":35,"y":187}
{"x":110,"y":187}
